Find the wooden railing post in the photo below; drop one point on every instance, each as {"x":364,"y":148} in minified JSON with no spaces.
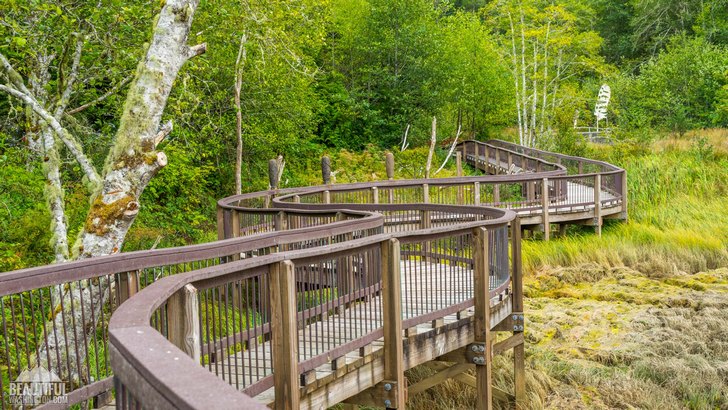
{"x":496,"y":193}
{"x":426,"y":221}
{"x":326,"y":197}
{"x":284,"y":334}
{"x":476,"y":193}
{"x":497,"y":161}
{"x":395,"y":395}
{"x":461,"y":189}
{"x":545,"y":208}
{"x":281,"y":221}
{"x":235,"y":224}
{"x":531,"y":191}
{"x":624,"y":195}
{"x":598,"y":204}
{"x":482,"y":342}
{"x":128,"y":285}
{"x":183,"y":321}
{"x":295,"y":220}
{"x":375,"y":195}
{"x":519,"y":355}
{"x":220,"y":223}
{"x":486,"y":156}
{"x":230,"y":228}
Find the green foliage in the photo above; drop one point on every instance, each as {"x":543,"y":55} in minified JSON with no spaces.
{"x":324,"y":75}
{"x":679,"y":89}
{"x":24,"y":234}
{"x":178,"y":203}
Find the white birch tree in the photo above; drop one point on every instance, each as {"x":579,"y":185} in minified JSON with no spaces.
{"x":545,"y":46}
{"x":132,"y":160}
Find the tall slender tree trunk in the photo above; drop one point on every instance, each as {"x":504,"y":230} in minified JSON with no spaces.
{"x":524,"y":97}
{"x":54,"y":196}
{"x":433,"y":140}
{"x":545,"y":77}
{"x":239,"y":65}
{"x":534,"y":98}
{"x":514,"y":57}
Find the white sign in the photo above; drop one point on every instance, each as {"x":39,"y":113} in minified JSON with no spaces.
{"x":600,"y":110}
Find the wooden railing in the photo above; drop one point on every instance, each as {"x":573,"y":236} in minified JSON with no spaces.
{"x":317,"y":251}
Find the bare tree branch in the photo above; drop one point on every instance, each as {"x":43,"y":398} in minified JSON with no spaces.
{"x":73,"y":146}
{"x":66,"y":95}
{"x":239,"y":65}
{"x":452,"y":149}
{"x":404,"y":139}
{"x":113,"y":90}
{"x":163,"y":132}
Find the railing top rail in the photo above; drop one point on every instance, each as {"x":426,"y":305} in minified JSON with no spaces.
{"x":49,"y":275}
{"x":607,"y":165}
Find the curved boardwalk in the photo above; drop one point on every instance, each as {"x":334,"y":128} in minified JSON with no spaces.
{"x":314,"y":296}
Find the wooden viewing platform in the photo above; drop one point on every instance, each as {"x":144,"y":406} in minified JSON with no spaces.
{"x":321,"y":295}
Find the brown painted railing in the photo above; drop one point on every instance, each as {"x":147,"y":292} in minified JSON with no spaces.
{"x":431,"y":220}
{"x":325,"y":283}
{"x":29,"y":296}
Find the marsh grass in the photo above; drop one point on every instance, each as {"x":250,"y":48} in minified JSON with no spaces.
{"x":639,"y":317}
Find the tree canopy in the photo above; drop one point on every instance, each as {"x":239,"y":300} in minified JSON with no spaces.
{"x":319,"y":76}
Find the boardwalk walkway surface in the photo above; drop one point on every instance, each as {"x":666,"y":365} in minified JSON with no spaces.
{"x":316,"y":296}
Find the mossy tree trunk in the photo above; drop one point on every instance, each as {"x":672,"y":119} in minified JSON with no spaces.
{"x":131,"y":163}
{"x":134,"y":159}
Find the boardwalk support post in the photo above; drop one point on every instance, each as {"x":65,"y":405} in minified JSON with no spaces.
{"x":183,"y":321}
{"x":482,"y":346}
{"x":517,"y":310}
{"x":284,"y":332}
{"x":624,"y":195}
{"x":598,"y":204}
{"x":394,"y":386}
{"x":476,"y":193}
{"x":545,"y":208}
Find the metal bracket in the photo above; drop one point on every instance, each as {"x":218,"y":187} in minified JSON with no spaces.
{"x":517,"y":319}
{"x":475,"y":354}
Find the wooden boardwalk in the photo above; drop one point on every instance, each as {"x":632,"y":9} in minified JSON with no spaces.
{"x":350,"y":285}
{"x":356,"y":321}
